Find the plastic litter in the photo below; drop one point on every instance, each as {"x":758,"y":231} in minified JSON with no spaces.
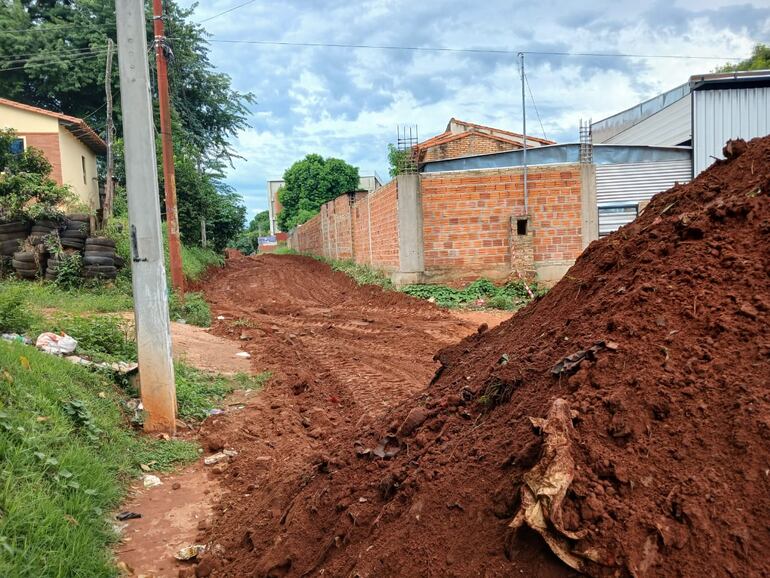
{"x":57,"y":344}
{"x":151,"y":481}
{"x":216,"y":411}
{"x":190,"y":552}
{"x":216,"y":458}
{"x":128,"y":516}
{"x":243,"y":355}
{"x":16,"y":338}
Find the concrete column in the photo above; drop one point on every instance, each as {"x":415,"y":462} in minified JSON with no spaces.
{"x":589,"y":209}
{"x":411,"y":253}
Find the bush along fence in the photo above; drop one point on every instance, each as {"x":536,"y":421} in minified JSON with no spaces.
{"x":458,"y":225}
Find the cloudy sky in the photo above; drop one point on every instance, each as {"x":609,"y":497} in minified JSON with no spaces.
{"x":347,"y":102}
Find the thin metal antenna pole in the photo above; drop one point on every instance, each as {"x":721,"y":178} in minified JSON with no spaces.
{"x":524,"y":134}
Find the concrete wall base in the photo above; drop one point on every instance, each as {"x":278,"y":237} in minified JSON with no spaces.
{"x":400,"y":279}
{"x":550,"y":272}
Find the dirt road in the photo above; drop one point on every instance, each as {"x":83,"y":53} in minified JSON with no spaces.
{"x":340,"y":356}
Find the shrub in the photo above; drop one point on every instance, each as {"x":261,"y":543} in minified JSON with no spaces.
{"x":69,"y":270}
{"x":194,"y":310}
{"x":15,"y":317}
{"x":100,"y":336}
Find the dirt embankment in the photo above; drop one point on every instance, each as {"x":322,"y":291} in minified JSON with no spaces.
{"x":645,"y":454}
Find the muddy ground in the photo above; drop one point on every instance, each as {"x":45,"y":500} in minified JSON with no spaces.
{"x":339,"y":354}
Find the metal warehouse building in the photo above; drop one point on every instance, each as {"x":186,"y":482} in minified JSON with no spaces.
{"x":697,"y":117}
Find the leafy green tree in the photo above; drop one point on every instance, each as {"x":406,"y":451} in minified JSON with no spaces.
{"x":26,"y":188}
{"x":52,"y":55}
{"x":759,"y":60}
{"x":248,"y":241}
{"x":310,"y":183}
{"x":397,"y":159}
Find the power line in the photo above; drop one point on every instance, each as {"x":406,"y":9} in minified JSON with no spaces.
{"x":537,"y":112}
{"x":47,"y":52}
{"x":227,"y":11}
{"x":42,"y":28}
{"x":468,"y":50}
{"x":54,"y":61}
{"x":54,"y":56}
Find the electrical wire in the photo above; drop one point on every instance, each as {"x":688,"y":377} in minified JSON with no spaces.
{"x":226,"y":11}
{"x":39,"y":28}
{"x":468,"y":50}
{"x":51,"y":52}
{"x":53,"y":61}
{"x":55,"y":56}
{"x":537,"y":112}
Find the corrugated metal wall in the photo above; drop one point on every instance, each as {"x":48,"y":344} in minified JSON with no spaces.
{"x":621,"y":187}
{"x":720,"y":115}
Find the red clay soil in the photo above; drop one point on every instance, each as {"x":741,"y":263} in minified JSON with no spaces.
{"x":657,"y":442}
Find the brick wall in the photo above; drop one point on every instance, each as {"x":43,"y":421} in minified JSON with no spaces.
{"x":49,"y":144}
{"x":341,"y":230}
{"x":472,"y":144}
{"x":467,"y":218}
{"x":469,"y":224}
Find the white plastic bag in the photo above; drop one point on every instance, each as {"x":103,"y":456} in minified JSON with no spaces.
{"x":56,"y":344}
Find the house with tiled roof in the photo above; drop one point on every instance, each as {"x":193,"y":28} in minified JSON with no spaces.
{"x":69,"y":144}
{"x":462,"y":139}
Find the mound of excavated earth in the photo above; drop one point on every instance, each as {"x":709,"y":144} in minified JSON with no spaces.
{"x":619,"y":426}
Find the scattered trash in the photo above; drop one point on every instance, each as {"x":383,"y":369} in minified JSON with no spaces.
{"x":215,"y":411}
{"x":230,"y":453}
{"x":216,"y":458}
{"x":570,"y":363}
{"x":220,"y":317}
{"x":16,"y":338}
{"x":388,"y":447}
{"x":128,"y":516}
{"x":190,"y":552}
{"x":546,"y":485}
{"x":121,"y":367}
{"x":243,"y":355}
{"x":151,"y":481}
{"x":56,"y":344}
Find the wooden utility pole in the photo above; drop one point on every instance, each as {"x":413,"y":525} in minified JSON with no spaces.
{"x":169,"y":180}
{"x":109,"y":185}
{"x":153,"y":335}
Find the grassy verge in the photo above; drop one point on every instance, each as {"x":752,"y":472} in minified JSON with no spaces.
{"x":198,"y":391}
{"x":480,"y":294}
{"x":66,"y":457}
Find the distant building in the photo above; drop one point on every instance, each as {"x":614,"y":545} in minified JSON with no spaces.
{"x":463,"y":139}
{"x":698,"y":117}
{"x":367,"y":183}
{"x":69,"y":144}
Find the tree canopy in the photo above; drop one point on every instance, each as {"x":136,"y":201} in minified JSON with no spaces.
{"x":310,"y":183}
{"x":759,"y":60}
{"x":53,"y":54}
{"x":259,"y":226}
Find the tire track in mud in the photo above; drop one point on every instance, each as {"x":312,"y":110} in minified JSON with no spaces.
{"x":340,"y":355}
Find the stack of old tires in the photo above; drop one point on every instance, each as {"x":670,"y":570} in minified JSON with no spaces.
{"x":76,"y":231}
{"x":12,"y":235}
{"x":41,"y":229}
{"x":99,"y":258}
{"x":26,"y":264}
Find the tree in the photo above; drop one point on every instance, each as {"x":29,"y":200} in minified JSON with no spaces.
{"x":26,"y":188}
{"x":397,"y":159}
{"x":759,"y":60}
{"x":310,"y":183}
{"x":248,"y":241}
{"x":56,"y":60}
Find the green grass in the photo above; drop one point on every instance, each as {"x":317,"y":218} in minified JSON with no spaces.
{"x":65,"y":460}
{"x":89,"y":299}
{"x":482,"y":293}
{"x":193,"y":310}
{"x":362,"y":274}
{"x":200,"y":391}
{"x":196,"y":261}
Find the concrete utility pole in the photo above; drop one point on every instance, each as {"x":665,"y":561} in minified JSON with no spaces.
{"x":524,"y":134}
{"x":153,"y":335}
{"x":109,"y":185}
{"x":169,"y":179}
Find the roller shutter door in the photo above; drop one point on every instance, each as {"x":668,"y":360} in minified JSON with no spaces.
{"x":621,"y":187}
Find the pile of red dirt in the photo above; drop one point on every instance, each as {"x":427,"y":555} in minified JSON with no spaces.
{"x":619,"y":426}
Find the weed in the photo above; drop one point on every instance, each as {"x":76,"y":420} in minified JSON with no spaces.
{"x":15,"y":316}
{"x":68,"y":273}
{"x":81,"y":418}
{"x":247,"y":323}
{"x":199,"y":391}
{"x":362,"y":274}
{"x":194,"y":310}
{"x":57,"y":487}
{"x":100,"y":336}
{"x":481,"y":293}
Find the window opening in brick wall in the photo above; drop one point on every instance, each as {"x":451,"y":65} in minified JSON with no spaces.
{"x":18,"y":145}
{"x":521,"y":226}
